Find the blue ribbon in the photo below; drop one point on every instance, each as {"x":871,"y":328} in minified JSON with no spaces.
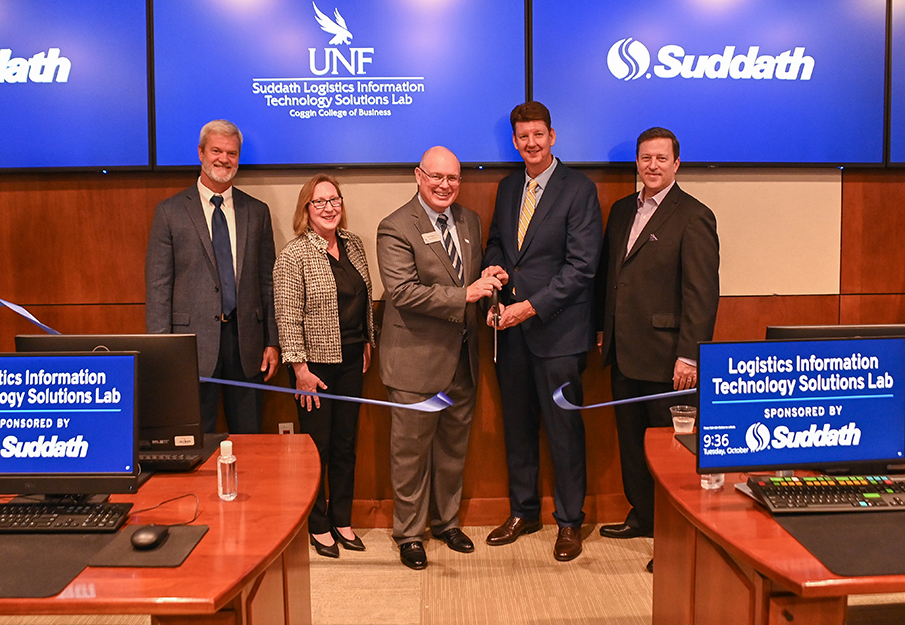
{"x":435,"y":404}
{"x":27,"y":315}
{"x":565,"y":404}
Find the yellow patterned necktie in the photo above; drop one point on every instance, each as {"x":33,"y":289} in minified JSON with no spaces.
{"x":527,"y":212}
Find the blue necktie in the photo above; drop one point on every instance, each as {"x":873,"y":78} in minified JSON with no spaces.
{"x":450,"y":248}
{"x":223,"y":252}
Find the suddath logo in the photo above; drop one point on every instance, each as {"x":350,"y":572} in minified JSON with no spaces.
{"x":42,"y":67}
{"x":53,"y":447}
{"x":333,"y":57}
{"x":758,"y":437}
{"x":629,"y":59}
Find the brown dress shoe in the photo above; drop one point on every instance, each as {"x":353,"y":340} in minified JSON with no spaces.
{"x":512,"y":529}
{"x":568,"y":544}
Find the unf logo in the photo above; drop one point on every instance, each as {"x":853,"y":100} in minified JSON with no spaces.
{"x":628,"y":59}
{"x":334,"y":59}
{"x":758,"y":437}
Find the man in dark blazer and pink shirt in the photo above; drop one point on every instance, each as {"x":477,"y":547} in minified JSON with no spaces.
{"x":658,"y":288}
{"x":546,"y":234}
{"x":187,"y":284}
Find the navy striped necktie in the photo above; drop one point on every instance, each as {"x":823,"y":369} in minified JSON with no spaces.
{"x":451,"y":248}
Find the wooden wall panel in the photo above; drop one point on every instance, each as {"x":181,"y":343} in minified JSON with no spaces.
{"x":868,"y":309}
{"x":78,"y":238}
{"x":747,"y":318}
{"x":873,"y":224}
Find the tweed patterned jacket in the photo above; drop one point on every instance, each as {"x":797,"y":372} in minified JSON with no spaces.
{"x":305,"y":297}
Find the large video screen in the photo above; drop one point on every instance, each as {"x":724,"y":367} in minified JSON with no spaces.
{"x":770,"y":81}
{"x":74,"y":83}
{"x":340,"y":81}
{"x":798,"y":404}
{"x":897,"y":85}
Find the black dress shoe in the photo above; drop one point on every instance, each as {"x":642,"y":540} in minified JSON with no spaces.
{"x":352,"y":545}
{"x":650,"y":566}
{"x":568,"y":544}
{"x":328,"y":551}
{"x":456,"y":540}
{"x":412,"y":555}
{"x":624,"y":530}
{"x":512,"y":529}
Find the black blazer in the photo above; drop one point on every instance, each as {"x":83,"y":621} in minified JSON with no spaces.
{"x":658,"y":302}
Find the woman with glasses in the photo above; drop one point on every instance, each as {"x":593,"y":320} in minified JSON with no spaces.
{"x":322,"y":293}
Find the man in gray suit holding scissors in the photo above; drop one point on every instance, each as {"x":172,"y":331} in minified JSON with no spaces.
{"x":208,"y":272}
{"x":429,"y":252}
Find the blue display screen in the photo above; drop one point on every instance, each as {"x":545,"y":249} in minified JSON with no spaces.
{"x":67,"y":414}
{"x":791,"y":404}
{"x":766,"y":81}
{"x":897,"y":85}
{"x":340,"y":81}
{"x":74,"y":83}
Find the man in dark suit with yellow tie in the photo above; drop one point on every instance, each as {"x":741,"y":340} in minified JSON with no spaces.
{"x":658,"y":288}
{"x":429,"y":252}
{"x":546,"y":234}
{"x":209,"y":272}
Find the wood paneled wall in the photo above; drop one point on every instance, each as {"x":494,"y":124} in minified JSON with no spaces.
{"x":72,"y":249}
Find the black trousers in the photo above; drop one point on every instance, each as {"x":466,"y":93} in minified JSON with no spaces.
{"x":242,"y":407}
{"x":527,"y":383}
{"x":334,"y":429}
{"x":632,"y":421}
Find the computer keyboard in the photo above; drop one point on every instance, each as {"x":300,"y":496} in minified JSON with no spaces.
{"x":824,"y":493}
{"x":55,"y":517}
{"x":168,"y":462}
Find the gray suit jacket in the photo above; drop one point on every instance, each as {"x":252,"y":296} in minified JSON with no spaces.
{"x":426,"y":314}
{"x":183,"y":287}
{"x":661,"y":299}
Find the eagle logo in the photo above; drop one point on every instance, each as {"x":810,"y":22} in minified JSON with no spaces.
{"x":338,"y":28}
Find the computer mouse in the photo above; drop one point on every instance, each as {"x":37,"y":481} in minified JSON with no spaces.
{"x":149,"y":537}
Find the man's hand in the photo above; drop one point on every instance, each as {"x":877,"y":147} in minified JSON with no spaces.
{"x":514,"y":314}
{"x":482,"y":287}
{"x":600,"y":343}
{"x":684,"y":376}
{"x":497,"y":272}
{"x":270,"y":362}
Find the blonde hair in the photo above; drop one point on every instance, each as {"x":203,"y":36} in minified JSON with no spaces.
{"x":300,"y":220}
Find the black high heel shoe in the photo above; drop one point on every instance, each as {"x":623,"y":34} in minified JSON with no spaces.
{"x":351,"y":545}
{"x":328,"y":551}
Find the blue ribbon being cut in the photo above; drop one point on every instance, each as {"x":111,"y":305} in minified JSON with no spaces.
{"x":565,"y":404}
{"x":435,"y":404}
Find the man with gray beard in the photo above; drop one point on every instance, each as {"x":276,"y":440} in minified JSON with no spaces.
{"x":209,"y":272}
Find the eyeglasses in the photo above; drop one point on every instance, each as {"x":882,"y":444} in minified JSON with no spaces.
{"x":335,"y":202}
{"x":439,"y":178}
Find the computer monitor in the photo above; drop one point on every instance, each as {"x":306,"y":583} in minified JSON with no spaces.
{"x":68,"y":423}
{"x":830,"y":404}
{"x":834,"y":331}
{"x":170,"y":415}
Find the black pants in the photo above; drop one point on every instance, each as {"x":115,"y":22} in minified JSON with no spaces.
{"x":334,"y":429}
{"x":242,"y":407}
{"x":527,"y":383}
{"x":632,"y":421}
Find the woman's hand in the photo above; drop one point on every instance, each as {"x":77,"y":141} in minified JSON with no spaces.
{"x":307,"y":381}
{"x":367,"y":357}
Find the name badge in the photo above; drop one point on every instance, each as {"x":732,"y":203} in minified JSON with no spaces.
{"x":430,"y":237}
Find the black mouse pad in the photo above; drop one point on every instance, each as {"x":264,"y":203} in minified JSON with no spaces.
{"x":42,"y":565}
{"x":852,"y":543}
{"x":172,"y":553}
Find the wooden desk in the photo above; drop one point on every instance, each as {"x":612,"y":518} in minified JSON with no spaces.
{"x":251,"y":566}
{"x":721,"y":558}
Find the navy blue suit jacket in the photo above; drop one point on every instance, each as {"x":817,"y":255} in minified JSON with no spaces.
{"x":555,"y":268}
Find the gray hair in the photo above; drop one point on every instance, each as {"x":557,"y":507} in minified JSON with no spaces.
{"x":219,"y":127}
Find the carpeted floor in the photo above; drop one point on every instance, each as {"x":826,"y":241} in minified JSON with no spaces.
{"x":514,"y":584}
